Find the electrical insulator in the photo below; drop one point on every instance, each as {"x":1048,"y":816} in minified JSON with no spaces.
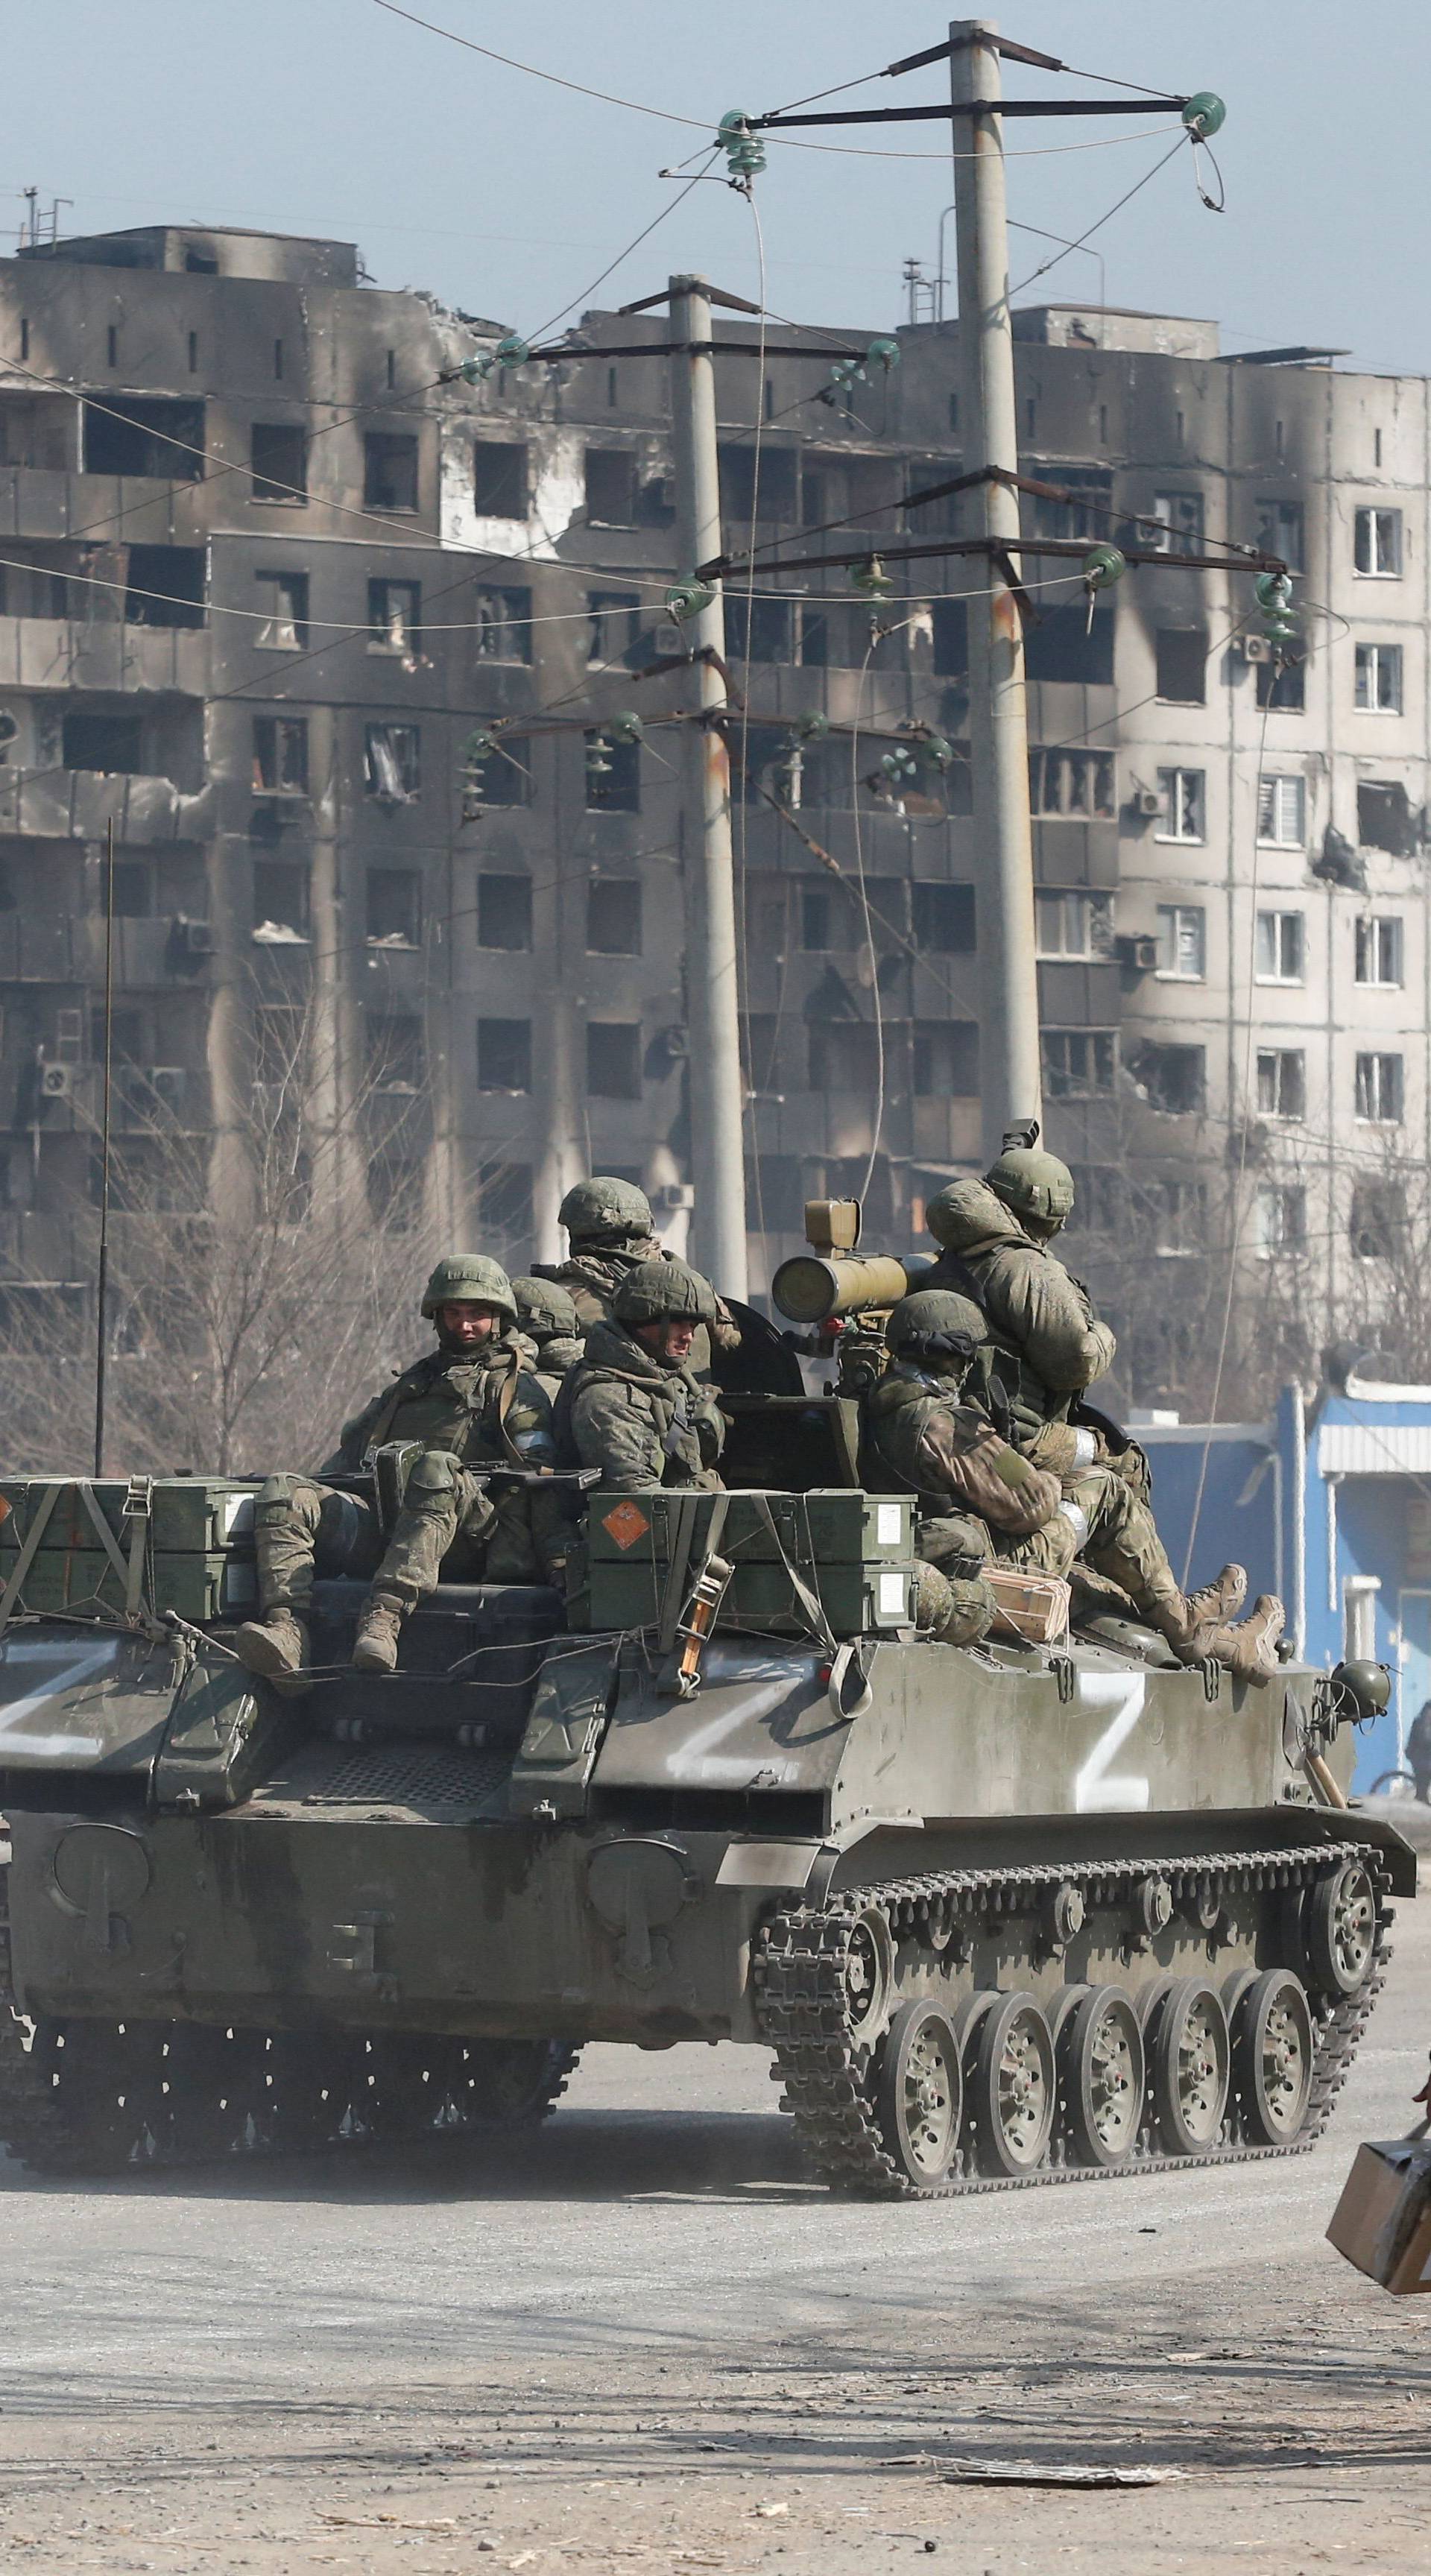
{"x":598,"y":759}
{"x":1204,"y":114}
{"x":899,"y":766}
{"x":1274,"y":598}
{"x":1102,"y":566}
{"x":512,"y":352}
{"x":625,"y":728}
{"x":474,"y":371}
{"x":882,"y":353}
{"x":872,"y":579}
{"x":813,"y":726}
{"x":939,"y":751}
{"x":688,"y":598}
{"x":743,"y":149}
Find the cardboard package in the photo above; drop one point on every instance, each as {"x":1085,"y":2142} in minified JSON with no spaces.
{"x":1382,"y":2223}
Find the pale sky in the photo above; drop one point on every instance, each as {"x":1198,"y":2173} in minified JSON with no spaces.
{"x":506,"y":196}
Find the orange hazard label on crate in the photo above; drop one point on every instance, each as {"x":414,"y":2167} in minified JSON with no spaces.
{"x":625,"y":1522}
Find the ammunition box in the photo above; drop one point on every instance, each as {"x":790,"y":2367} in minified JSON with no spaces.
{"x":857,"y":1600}
{"x":834,"y":1525}
{"x":198,"y":1587}
{"x":187,"y":1514}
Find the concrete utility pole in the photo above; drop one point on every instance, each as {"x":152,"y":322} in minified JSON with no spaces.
{"x":718,"y":1243}
{"x":998,"y":707}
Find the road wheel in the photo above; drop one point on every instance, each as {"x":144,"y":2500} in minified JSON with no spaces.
{"x":1013,"y":2095}
{"x":869,"y":1976}
{"x":1103,"y":2076}
{"x":919,"y":2093}
{"x":1339,"y":1929}
{"x":1272,"y":2057}
{"x":1189,"y":2066}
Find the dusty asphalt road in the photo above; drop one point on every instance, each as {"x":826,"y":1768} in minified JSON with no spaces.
{"x":647,"y":2342}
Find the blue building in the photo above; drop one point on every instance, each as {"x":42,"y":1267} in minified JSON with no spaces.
{"x":1328,"y":1505}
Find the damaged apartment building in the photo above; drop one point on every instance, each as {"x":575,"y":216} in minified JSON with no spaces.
{"x":266,"y":576}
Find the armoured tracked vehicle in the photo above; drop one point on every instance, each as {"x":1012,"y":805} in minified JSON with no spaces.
{"x":1004,"y":1913}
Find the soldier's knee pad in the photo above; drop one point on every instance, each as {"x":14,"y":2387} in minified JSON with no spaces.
{"x":433,"y":1481}
{"x":284,"y":1500}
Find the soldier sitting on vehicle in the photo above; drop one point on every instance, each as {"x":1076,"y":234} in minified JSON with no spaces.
{"x":473,"y":1402}
{"x":1048,"y":1342}
{"x":631,"y":1406}
{"x":548,"y":1320}
{"x":981,"y":1499}
{"x":610,"y":1229}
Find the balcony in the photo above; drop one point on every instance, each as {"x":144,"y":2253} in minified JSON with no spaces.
{"x":72,"y":653}
{"x":80,"y":804}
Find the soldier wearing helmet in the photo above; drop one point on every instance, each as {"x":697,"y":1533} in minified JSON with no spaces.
{"x":610,"y":1229}
{"x":548,"y":1320}
{"x":1047,"y":1342}
{"x":631,"y":1407}
{"x":474,"y":1401}
{"x":982,"y":1500}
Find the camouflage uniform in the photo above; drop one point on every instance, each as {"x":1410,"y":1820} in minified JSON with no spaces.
{"x":548,"y":1321}
{"x":638,"y":1419}
{"x":610,"y":1231}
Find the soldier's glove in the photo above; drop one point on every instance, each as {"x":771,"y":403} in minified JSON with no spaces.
{"x":725,"y":1331}
{"x":1064,"y":1451}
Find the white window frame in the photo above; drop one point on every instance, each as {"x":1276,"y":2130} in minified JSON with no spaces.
{"x":1281,"y":530}
{"x":1374,"y":1085}
{"x":1370,"y":934}
{"x":1382,"y":530}
{"x":1279,"y":939}
{"x":1093,"y":1090}
{"x":1181,"y":924}
{"x":1095,"y":934}
{"x":1378,"y":664}
{"x":1271,"y":1234}
{"x":1165,"y":532}
{"x":1282,"y":810}
{"x":1273,"y":1058}
{"x":1183,"y":794}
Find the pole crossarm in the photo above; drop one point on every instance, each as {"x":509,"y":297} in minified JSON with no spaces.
{"x":975,"y":107}
{"x":932,"y":547}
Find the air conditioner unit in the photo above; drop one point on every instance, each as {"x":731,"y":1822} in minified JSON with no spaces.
{"x":9,"y":731}
{"x":674,"y":1195}
{"x":1137,"y":952}
{"x":57,"y":1082}
{"x":1148,"y":803}
{"x":1257,"y":648}
{"x":193,"y":938}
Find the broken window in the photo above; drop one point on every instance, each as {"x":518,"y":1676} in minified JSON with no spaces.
{"x":951,"y":639}
{"x":1069,"y":924}
{"x":1180,"y":805}
{"x":280,"y":901}
{"x":760,"y":630}
{"x":1282,"y":811}
{"x":1378,"y":543}
{"x":283,"y":598}
{"x":1176,"y":526}
{"x":134,"y":889}
{"x":278,"y":461}
{"x":280,"y":756}
{"x":1281,"y":1082}
{"x":1173,"y":1213}
{"x":1379,"y":949}
{"x":396,"y":1053}
{"x":132,"y":436}
{"x":946,"y":1059}
{"x":392,"y":761}
{"x":610,"y":487}
{"x":504,"y":1201}
{"x":778,"y":469}
{"x":613,"y":624}
{"x":504,"y":911}
{"x":504,"y":1055}
{"x":1182,"y":665}
{"x":826,"y":637}
{"x":1173,"y":1077}
{"x":1061,"y":645}
{"x":395,"y":618}
{"x":613,"y":917}
{"x":164,"y":586}
{"x":1378,"y":679}
{"x":35,"y":428}
{"x":1385,"y":819}
{"x":774,"y":1194}
{"x":1279,"y":948}
{"x":1282,"y":685}
{"x":1078,"y":783}
{"x":1083,"y":508}
{"x":114,"y":744}
{"x":944,"y":919}
{"x":1182,"y":942}
{"x":1079,"y":1064}
{"x":499,"y":478}
{"x":394,"y":908}
{"x":613,"y":775}
{"x":1380,"y":1089}
{"x":503,"y":626}
{"x":1279,"y":531}
{"x":503,"y":775}
{"x":389,"y":471}
{"x":843,"y":1055}
{"x":613,"y":1059}
{"x":1378,"y":1220}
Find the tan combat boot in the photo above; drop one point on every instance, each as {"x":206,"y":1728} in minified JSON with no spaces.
{"x":1249,"y":1651}
{"x":275,"y":1645}
{"x":375,"y":1648}
{"x":1221,"y":1599}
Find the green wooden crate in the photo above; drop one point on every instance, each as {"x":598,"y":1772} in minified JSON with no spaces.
{"x":833,"y":1525}
{"x":858,"y":1600}
{"x":188,"y":1514}
{"x":199,"y":1586}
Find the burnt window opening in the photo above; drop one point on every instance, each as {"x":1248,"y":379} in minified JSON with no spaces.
{"x":1083,"y":506}
{"x":951,"y":639}
{"x":828,"y":639}
{"x":160,"y":439}
{"x":1280,"y":531}
{"x":395,"y":1051}
{"x":504,"y":911}
{"x":1079,"y":1064}
{"x":613,"y":775}
{"x":945,"y":919}
{"x":394,"y":908}
{"x":165,"y":586}
{"x":283,"y":600}
{"x":1282,"y":686}
{"x":613,"y":626}
{"x":946,"y":1059}
{"x":199,"y":262}
{"x":774,"y":1194}
{"x":1174,"y":1078}
{"x":389,"y":470}
{"x":1182,"y":665}
{"x":504,"y":1201}
{"x":503,"y":626}
{"x":613,"y":1059}
{"x":504,"y":1055}
{"x":113,"y":744}
{"x":392,"y":763}
{"x":395,"y":617}
{"x":777,"y":495}
{"x":280,"y":901}
{"x":280,"y":755}
{"x":832,"y":915}
{"x":843,"y":1055}
{"x":499,"y":478}
{"x":502,"y":776}
{"x":278,"y":462}
{"x":613,"y":917}
{"x":134,"y":889}
{"x":760,"y":630}
{"x":1378,"y":1220}
{"x":1281,"y":1082}
{"x":1176,"y":526}
{"x":610,"y":487}
{"x":1061,"y":646}
{"x":1387,"y":820}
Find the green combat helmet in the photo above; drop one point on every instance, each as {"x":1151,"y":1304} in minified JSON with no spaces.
{"x":656,"y":1290}
{"x":605,"y":1211}
{"x":469,"y":1277}
{"x":545,"y":1310}
{"x":1035,"y":1186}
{"x":935,"y":1324}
